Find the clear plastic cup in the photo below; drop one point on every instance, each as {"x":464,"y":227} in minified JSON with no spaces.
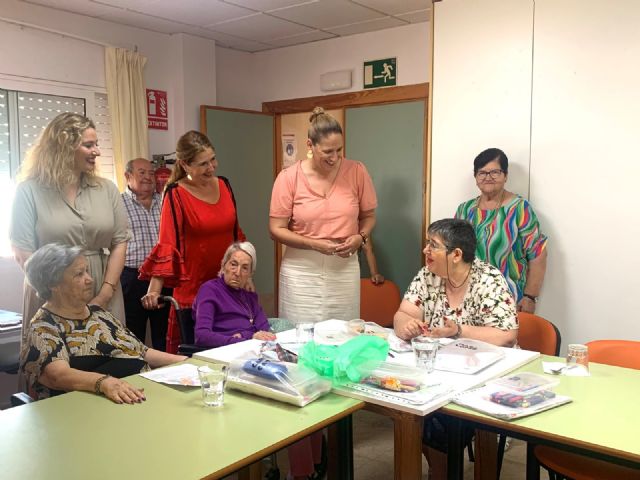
{"x":578,"y":356}
{"x":425,"y":350}
{"x":304,"y":332}
{"x":213,"y":379}
{"x":356,"y":326}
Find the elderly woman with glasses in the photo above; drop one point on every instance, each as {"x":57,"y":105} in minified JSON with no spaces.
{"x":74,"y":346}
{"x":224,"y":311}
{"x":507,"y":228}
{"x":456,"y":294}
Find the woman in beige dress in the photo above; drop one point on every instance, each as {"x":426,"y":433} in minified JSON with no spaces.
{"x":60,"y":199}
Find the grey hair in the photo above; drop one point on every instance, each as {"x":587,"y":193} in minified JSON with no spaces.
{"x":129,"y":165}
{"x":246,"y":247}
{"x":45,"y":268}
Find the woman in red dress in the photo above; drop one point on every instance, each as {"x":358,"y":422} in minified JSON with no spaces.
{"x":197,"y":224}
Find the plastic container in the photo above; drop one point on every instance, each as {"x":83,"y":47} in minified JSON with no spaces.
{"x":356,"y":326}
{"x":524,"y":383}
{"x":371,"y":328}
{"x":294,"y":384}
{"x":522,"y":390}
{"x":397,"y":378}
{"x":332,"y":332}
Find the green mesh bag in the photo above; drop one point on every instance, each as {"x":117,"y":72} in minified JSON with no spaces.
{"x":349,"y":362}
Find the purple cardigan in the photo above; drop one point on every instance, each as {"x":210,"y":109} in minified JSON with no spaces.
{"x":221,"y":311}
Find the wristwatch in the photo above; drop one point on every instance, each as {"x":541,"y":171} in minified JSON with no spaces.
{"x":365,"y":238}
{"x":531,"y":297}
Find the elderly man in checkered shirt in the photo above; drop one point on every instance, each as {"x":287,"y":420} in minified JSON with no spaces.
{"x":143,"y":204}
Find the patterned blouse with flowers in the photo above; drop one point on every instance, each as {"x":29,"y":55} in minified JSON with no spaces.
{"x":96,"y":343}
{"x":488,"y":301}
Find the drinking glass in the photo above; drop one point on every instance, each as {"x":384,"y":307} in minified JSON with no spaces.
{"x":356,"y":326}
{"x":304,"y":332}
{"x":425,"y":349}
{"x":213,"y":379}
{"x":578,"y":355}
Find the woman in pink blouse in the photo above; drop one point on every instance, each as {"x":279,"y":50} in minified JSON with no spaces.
{"x":323,"y":210}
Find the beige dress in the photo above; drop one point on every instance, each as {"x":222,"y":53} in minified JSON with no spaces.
{"x":97,"y":221}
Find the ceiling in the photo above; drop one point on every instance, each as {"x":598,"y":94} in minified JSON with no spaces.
{"x":253,"y":25}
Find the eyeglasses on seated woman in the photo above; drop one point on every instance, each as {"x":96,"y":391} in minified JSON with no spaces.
{"x":74,"y":346}
{"x":456,"y":294}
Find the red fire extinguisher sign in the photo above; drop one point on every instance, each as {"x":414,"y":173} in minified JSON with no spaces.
{"x":157,"y":109}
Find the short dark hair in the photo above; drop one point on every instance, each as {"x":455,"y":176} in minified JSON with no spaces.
{"x":456,"y":233}
{"x":489,"y":155}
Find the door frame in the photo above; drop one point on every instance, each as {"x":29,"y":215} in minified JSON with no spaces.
{"x":379,"y":96}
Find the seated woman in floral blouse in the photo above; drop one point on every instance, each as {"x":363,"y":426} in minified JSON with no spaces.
{"x":455,"y":295}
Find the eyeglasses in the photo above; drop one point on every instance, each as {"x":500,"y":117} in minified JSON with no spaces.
{"x":482,"y":174}
{"x":431,"y":245}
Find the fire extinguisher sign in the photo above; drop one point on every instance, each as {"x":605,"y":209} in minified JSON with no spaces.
{"x":157,"y":109}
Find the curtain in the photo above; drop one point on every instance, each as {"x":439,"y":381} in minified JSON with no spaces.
{"x":127,"y":105}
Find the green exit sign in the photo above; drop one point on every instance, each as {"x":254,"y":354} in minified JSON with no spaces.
{"x":380,"y":73}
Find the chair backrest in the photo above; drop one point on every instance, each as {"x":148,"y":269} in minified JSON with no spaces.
{"x":621,"y":353}
{"x":538,"y":334}
{"x":379,"y":303}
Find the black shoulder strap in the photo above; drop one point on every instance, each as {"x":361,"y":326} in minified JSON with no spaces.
{"x":169,"y":193}
{"x":236,"y":227}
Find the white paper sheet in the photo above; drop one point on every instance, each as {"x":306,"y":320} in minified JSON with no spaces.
{"x":185,"y":374}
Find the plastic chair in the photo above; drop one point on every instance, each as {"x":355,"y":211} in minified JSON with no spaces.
{"x":538,"y":335}
{"x":561,"y":464}
{"x":379,"y":303}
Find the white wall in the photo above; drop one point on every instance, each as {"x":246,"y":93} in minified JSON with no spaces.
{"x":52,"y":57}
{"x":481,"y":95}
{"x":584,"y":167}
{"x":561,"y":80}
{"x":247,"y":80}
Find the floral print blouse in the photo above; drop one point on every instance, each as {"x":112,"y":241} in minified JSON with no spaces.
{"x":488,"y":301}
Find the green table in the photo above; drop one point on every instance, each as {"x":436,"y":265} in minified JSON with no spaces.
{"x":170,"y":436}
{"x":602,"y":421}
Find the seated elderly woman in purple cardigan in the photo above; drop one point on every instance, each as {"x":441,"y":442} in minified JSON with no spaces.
{"x":223,"y":310}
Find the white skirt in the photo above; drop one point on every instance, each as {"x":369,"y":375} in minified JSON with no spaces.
{"x":316,"y":287}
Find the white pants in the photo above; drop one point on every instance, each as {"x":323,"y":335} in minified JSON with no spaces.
{"x":316,"y":287}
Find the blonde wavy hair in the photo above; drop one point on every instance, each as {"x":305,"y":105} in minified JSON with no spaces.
{"x":51,"y":161}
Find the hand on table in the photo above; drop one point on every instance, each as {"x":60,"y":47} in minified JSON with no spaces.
{"x":120,"y":391}
{"x":264,"y":336}
{"x":377,"y":279}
